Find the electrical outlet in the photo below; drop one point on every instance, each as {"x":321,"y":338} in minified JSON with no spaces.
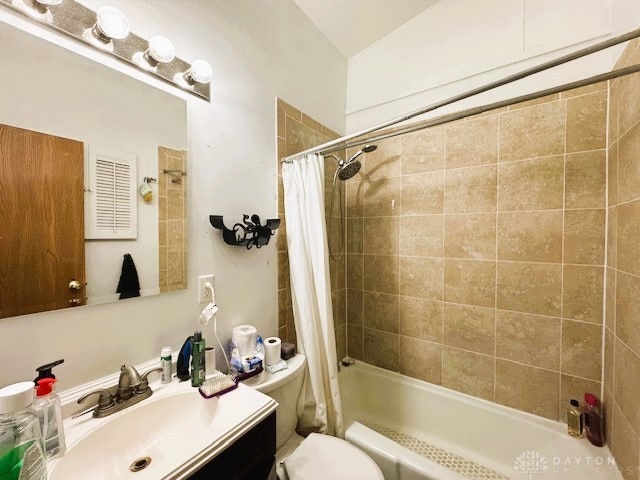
{"x":204,"y":294}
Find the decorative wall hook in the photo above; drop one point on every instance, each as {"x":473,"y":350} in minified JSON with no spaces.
{"x":248,"y":233}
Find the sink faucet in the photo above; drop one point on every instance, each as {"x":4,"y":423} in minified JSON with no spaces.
{"x":131,"y":389}
{"x":129,"y":380}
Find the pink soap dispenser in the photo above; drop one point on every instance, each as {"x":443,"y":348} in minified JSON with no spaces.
{"x":593,"y":420}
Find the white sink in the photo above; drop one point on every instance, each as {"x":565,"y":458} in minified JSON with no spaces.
{"x":176,"y":428}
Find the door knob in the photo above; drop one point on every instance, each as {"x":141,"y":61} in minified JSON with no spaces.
{"x":74,"y":302}
{"x":75,"y":285}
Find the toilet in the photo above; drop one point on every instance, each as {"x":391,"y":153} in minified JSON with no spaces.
{"x":316,"y":457}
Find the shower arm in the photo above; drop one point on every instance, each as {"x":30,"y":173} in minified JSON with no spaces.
{"x":342,"y":141}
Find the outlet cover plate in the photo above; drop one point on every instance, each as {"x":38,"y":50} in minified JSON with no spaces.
{"x":204,"y":295}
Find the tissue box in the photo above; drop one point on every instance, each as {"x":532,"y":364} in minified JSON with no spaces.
{"x":287,"y":350}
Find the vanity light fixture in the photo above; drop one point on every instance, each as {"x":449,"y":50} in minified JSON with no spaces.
{"x":160,"y":50}
{"x":107,"y":29}
{"x":199,"y":72}
{"x":37,"y":8}
{"x":111,"y":24}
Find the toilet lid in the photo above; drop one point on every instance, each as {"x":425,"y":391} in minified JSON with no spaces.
{"x":320,"y":457}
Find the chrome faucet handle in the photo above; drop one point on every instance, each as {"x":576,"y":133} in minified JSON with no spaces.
{"x":104,"y":401}
{"x":144,"y":382}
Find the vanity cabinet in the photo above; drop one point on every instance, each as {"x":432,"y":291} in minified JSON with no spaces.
{"x":251,"y":457}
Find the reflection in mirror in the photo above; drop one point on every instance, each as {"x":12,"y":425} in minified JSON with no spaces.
{"x":93,"y":181}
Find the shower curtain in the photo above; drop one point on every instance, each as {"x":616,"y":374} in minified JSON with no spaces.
{"x":320,"y":408}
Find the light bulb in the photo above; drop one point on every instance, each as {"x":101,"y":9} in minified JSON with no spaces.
{"x":161,"y":49}
{"x":49,"y":2}
{"x":199,"y":72}
{"x":37,"y":8}
{"x":111,"y":24}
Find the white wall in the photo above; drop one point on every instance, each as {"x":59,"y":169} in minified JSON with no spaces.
{"x":259,"y":49}
{"x":88,"y":102}
{"x":460,"y":44}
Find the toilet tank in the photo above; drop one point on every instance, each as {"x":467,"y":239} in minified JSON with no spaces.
{"x":284,"y":387}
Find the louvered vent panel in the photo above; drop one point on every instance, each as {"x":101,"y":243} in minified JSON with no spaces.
{"x":112,"y":210}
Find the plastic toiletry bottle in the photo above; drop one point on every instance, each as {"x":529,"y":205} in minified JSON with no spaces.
{"x":165,"y":364}
{"x":21,"y":446}
{"x":574,"y":419}
{"x":198,"y":367}
{"x":593,"y":420}
{"x":49,"y":412}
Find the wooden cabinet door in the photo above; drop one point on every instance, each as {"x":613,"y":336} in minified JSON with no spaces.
{"x":41,"y":222}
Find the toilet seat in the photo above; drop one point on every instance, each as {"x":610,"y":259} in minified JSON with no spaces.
{"x":320,"y":457}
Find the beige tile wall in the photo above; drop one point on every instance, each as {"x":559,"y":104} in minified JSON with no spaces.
{"x":622,"y":333}
{"x":172,"y":220}
{"x":298,"y":132}
{"x":476,"y":253}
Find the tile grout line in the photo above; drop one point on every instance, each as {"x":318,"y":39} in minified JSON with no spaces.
{"x":495,"y":300}
{"x":444,"y":209}
{"x":606,"y":244}
{"x":564,"y":201}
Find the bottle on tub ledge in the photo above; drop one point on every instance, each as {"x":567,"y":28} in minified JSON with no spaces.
{"x":593,"y":420}
{"x":575,"y":423}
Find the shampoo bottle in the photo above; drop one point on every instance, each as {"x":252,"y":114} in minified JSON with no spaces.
{"x":198,"y":367}
{"x":21,"y":446}
{"x":593,"y":420}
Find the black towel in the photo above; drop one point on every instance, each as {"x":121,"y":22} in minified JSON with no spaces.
{"x":129,"y":285}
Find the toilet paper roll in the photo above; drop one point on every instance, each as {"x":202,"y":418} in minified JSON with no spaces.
{"x":244,"y":338}
{"x":272,"y":350}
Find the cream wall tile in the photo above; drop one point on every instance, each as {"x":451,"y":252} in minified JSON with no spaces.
{"x":582,"y":349}
{"x":529,"y":288}
{"x":532,"y":132}
{"x":421,"y":359}
{"x":420,"y":318}
{"x":612,"y":175}
{"x":536,"y":184}
{"x":381,"y":349}
{"x":586,"y":180}
{"x":423,"y":193}
{"x":530,"y":339}
{"x":421,"y":235}
{"x":468,"y":372}
{"x":381,"y":235}
{"x":582,"y":293}
{"x":355,"y":271}
{"x":584,"y":236}
{"x":530,"y":236}
{"x":629,"y":94}
{"x":627,"y":326}
{"x":469,"y":190}
{"x":628,"y":165}
{"x":474,"y":142}
{"x":423,"y":151}
{"x":628,"y":234}
{"x":515,"y":382}
{"x":470,"y":282}
{"x":586,"y":122}
{"x":382,"y":311}
{"x":625,"y":446}
{"x":469,"y":328}
{"x":470,"y":236}
{"x":381,"y":273}
{"x":381,"y":197}
{"x":354,"y":235}
{"x":421,"y":277}
{"x":385,"y":161}
{"x":355,"y":306}
{"x":355,"y":341}
{"x":607,"y":364}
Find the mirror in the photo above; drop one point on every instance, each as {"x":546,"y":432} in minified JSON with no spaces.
{"x":77,"y":140}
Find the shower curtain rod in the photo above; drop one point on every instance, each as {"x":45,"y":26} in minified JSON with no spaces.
{"x":327,"y":147}
{"x":491,"y":106}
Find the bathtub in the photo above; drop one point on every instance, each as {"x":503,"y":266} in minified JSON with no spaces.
{"x":415,"y":430}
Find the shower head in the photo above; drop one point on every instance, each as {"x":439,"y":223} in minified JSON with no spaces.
{"x":349,"y":169}
{"x":365,"y":149}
